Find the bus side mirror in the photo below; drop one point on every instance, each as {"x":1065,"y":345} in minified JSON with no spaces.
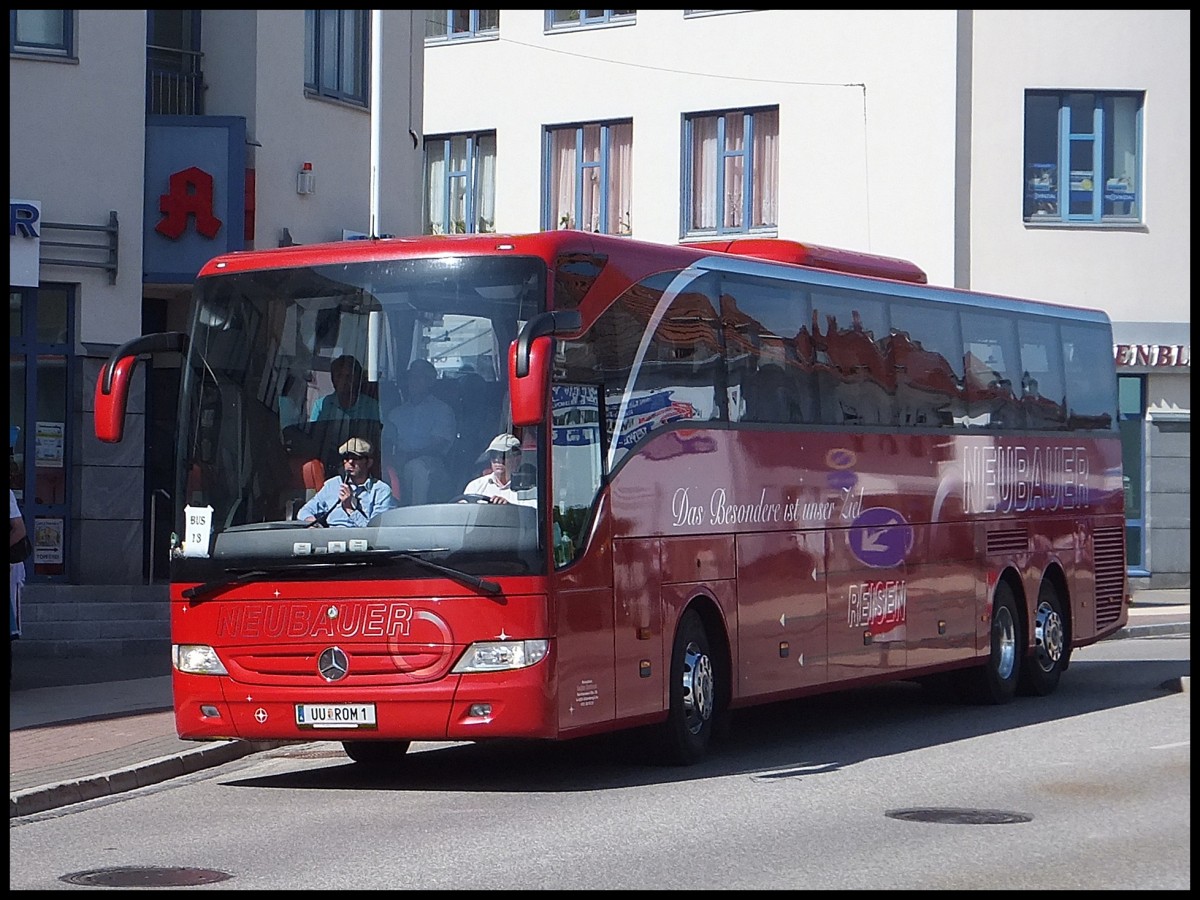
{"x":112,"y":387}
{"x":109,"y":410}
{"x":529,"y":363}
{"x":528,"y":392}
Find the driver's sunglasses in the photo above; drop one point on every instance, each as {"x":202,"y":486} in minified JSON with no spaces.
{"x":349,"y":458}
{"x":497,"y":455}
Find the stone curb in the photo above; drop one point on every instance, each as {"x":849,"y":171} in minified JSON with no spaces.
{"x":1152,"y":629}
{"x":64,"y":793}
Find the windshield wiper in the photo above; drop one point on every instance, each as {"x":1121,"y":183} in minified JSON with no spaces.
{"x":338,"y":560}
{"x":483,"y":584}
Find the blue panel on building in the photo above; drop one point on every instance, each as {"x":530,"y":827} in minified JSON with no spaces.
{"x":195,"y":198}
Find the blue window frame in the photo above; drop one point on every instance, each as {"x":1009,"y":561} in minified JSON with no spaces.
{"x":730,"y":172}
{"x":587,"y":177}
{"x":337,"y":50}
{"x":460,"y":184}
{"x":1083,"y":157}
{"x":461,"y":24}
{"x":562,"y":19}
{"x":42,"y":32}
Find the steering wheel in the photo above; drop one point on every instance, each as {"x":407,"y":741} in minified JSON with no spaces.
{"x":472,"y":498}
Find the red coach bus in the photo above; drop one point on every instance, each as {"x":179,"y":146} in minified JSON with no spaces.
{"x":749,"y":473}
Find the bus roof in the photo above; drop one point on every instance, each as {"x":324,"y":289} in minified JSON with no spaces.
{"x":637,"y":259}
{"x":549,"y":244}
{"x":815,"y":256}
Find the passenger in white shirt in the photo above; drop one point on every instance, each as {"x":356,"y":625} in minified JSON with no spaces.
{"x":504,"y":455}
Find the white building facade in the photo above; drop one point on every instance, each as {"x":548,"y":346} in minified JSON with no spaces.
{"x":141,"y":144}
{"x":1041,"y":154}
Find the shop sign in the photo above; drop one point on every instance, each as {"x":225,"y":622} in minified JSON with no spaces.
{"x":1153,"y":356}
{"x":24,"y":242}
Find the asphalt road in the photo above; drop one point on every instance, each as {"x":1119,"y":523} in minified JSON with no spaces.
{"x":1087,"y":789}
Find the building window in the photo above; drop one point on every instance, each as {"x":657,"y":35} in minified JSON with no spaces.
{"x":460,"y":184}
{"x":42,"y":32}
{"x":1083,"y":157}
{"x":588,"y":177}
{"x":337,"y":43}
{"x":730,"y":172}
{"x":562,"y":19}
{"x":1131,"y":391}
{"x":457,"y":24}
{"x":174,"y":70}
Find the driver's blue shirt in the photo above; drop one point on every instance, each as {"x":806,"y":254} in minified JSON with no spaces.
{"x":374,"y":496}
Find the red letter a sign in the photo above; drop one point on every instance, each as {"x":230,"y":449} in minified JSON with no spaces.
{"x":191,"y":194}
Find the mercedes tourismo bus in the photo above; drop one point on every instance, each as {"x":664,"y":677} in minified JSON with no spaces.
{"x":753,"y":470}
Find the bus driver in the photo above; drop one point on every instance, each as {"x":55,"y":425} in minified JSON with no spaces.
{"x":504,"y":456}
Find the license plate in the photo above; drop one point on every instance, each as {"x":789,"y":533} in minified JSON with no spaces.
{"x":335,"y":715}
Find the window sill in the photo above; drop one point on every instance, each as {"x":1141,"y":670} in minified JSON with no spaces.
{"x":465,"y":39}
{"x":588,"y":26}
{"x":310,"y":94}
{"x":1057,"y":224}
{"x":36,"y":56}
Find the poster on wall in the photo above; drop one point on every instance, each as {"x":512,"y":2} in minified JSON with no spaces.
{"x":49,"y":440}
{"x":48,"y":541}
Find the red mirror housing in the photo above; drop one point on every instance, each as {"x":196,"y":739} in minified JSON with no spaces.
{"x":109,"y":411}
{"x":528,"y":392}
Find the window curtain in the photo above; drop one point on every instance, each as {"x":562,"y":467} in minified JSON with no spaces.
{"x":620,"y":179}
{"x":766,"y":169}
{"x":435,"y":187}
{"x":485,"y":183}
{"x":562,"y":178}
{"x":703,"y":215}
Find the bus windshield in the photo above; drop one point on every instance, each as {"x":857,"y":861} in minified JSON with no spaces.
{"x":289,"y":370}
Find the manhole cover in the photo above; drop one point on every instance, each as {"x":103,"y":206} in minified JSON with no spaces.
{"x":951,"y":816}
{"x":145,"y":876}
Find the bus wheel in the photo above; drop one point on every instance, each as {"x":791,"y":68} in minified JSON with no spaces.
{"x":375,"y":754}
{"x":685,"y":736}
{"x":1044,"y":665}
{"x":996,"y":682}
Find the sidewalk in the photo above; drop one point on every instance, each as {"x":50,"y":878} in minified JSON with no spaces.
{"x":70,"y":742}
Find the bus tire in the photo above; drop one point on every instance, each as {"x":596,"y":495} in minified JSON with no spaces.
{"x":1044,"y":664}
{"x":996,"y":682}
{"x":684,"y":738}
{"x":375,"y":754}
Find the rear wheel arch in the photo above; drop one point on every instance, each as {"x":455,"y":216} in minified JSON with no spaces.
{"x":698,"y":684}
{"x":995,"y":680}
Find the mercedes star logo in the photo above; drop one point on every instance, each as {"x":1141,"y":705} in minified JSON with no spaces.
{"x":333,"y":664}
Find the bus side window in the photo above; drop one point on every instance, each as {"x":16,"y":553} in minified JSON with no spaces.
{"x":993,"y":374}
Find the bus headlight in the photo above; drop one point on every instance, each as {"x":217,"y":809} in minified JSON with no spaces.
{"x":499,"y":656}
{"x":197,"y":659}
